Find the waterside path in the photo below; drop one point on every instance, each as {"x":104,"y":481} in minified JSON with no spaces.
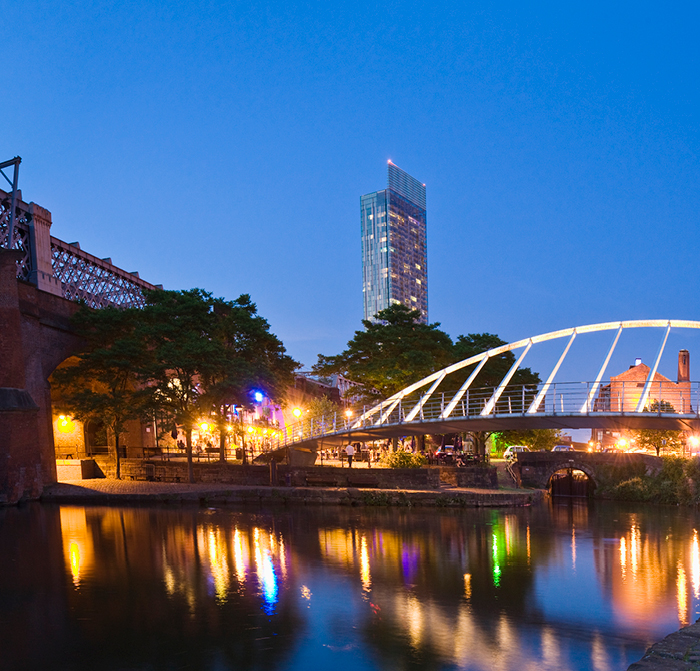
{"x":111,"y":491}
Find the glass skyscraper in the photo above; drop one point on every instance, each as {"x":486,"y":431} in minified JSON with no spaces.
{"x":394,"y":245}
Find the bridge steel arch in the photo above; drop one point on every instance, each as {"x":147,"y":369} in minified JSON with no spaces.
{"x":420,"y":408}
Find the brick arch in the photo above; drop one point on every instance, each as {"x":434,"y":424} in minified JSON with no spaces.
{"x":575,"y":464}
{"x":35,"y":339}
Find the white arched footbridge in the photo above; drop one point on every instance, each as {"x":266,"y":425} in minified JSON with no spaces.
{"x":428,"y":407}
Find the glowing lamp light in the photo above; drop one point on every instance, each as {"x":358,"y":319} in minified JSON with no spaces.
{"x":348,"y":413}
{"x":258,"y":396}
{"x":250,"y":429}
{"x":297,"y":412}
{"x":65,"y":424}
{"x":694,"y":441}
{"x":622,"y":443}
{"x":204,"y":426}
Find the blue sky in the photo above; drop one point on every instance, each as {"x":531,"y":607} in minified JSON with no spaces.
{"x":226,"y":145}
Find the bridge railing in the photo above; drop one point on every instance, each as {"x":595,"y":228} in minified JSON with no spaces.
{"x":575,"y":399}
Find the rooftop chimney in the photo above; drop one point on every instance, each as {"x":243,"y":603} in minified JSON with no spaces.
{"x":684,"y":366}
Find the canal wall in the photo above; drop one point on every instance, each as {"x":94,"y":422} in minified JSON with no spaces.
{"x":679,"y":651}
{"x":480,"y":477}
{"x":119,"y":492}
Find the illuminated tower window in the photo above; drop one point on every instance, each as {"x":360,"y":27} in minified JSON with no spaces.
{"x":394,"y":245}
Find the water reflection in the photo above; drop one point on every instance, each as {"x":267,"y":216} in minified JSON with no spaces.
{"x":552,"y":587}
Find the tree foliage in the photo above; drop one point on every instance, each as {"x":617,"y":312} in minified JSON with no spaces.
{"x":654,"y":439}
{"x":535,"y":439}
{"x":102,"y":381}
{"x":184,"y":354}
{"x":397,"y":350}
{"x":207,"y":354}
{"x":390,"y":354}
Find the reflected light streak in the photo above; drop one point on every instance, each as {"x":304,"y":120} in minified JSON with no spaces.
{"x":74,"y":557}
{"x":599,"y":657}
{"x":415,"y":620}
{"x":695,"y":564}
{"x":551,"y":654}
{"x":573,"y":548}
{"x":623,"y":557}
{"x":468,"y":585}
{"x":239,"y":561}
{"x":528,"y":544}
{"x":364,"y":566}
{"x":283,"y":559}
{"x":77,"y":542}
{"x":682,"y":596}
{"x":496,"y":567}
{"x":266,"y":575}
{"x":635,"y":535}
{"x":218,"y":564}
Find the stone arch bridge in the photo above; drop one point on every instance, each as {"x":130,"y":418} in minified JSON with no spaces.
{"x":535,"y":469}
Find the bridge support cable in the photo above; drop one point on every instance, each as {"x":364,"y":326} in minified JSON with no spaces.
{"x":389,"y":410}
{"x":458,"y":396}
{"x":587,"y":406}
{"x":650,"y":378}
{"x":489,"y":407}
{"x":543,"y":392}
{"x":424,"y":399}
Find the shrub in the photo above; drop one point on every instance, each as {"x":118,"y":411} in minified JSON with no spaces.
{"x":635,"y":489}
{"x":403,"y":460}
{"x":678,"y":482}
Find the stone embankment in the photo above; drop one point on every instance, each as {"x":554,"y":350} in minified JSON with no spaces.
{"x":679,"y":651}
{"x":110,"y":491}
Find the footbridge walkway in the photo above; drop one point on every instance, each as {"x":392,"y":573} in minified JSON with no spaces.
{"x":450,"y":401}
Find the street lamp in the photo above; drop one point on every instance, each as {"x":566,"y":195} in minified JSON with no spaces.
{"x":297,"y":412}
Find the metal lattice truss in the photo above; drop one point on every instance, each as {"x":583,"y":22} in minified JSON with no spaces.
{"x":82,"y":276}
{"x":95,"y":281}
{"x":601,"y":403}
{"x":20,"y":237}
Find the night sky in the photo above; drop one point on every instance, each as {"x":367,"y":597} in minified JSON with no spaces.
{"x":226,"y":145}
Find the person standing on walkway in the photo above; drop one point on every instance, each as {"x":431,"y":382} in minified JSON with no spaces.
{"x":350,"y":451}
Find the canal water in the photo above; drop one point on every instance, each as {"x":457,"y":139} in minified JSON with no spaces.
{"x":556,"y":586}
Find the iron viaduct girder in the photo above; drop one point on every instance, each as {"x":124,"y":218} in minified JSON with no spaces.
{"x":62,"y":268}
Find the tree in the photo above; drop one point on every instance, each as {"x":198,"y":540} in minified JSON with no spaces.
{"x":390,"y":354}
{"x":102,"y":382}
{"x":208,"y":354}
{"x":249,"y":358}
{"x":658,"y":439}
{"x":177,"y":327}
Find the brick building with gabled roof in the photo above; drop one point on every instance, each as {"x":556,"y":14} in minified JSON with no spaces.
{"x":625,"y":390}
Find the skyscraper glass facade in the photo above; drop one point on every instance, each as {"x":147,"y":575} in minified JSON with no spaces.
{"x":394,"y":245}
